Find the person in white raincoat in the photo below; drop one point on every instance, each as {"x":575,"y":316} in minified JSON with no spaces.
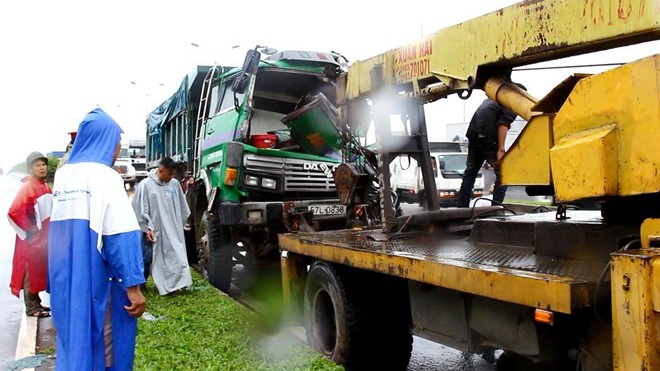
{"x":161,"y":210}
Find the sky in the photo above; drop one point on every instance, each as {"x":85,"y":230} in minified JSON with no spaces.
{"x":63,"y":58}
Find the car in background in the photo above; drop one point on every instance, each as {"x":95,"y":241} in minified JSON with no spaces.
{"x":137,"y":154}
{"x":125,"y":168}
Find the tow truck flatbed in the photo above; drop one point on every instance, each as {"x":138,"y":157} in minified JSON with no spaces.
{"x":531,"y":273}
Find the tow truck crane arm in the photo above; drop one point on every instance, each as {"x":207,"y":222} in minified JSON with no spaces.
{"x":480,"y":53}
{"x":464,"y":56}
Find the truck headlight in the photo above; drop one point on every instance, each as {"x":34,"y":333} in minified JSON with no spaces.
{"x":269,"y":183}
{"x":251,"y":180}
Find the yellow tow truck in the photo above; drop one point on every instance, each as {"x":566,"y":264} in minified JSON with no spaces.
{"x":562,"y":290}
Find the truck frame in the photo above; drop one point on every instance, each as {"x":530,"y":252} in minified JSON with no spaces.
{"x":558,"y":290}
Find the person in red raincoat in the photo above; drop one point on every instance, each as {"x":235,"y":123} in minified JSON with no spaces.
{"x":29,"y":215}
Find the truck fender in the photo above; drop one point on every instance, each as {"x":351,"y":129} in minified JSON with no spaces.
{"x":210,"y":196}
{"x":209,"y":189}
{"x":204,"y":175}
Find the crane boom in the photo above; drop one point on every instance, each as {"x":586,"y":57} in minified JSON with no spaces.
{"x":464,"y":55}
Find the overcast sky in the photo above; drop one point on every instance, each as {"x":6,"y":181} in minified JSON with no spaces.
{"x":60,"y":59}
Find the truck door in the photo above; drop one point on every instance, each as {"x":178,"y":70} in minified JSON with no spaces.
{"x":229,"y":120}
{"x":229,"y":116}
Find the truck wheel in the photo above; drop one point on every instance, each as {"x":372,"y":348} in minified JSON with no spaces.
{"x":349,"y":323}
{"x":216,"y":253}
{"x":191,"y":246}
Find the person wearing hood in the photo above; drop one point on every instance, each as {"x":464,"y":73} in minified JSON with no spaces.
{"x":94,"y":257}
{"x":162,"y":212}
{"x":29,"y":215}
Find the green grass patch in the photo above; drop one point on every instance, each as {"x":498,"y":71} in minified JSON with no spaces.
{"x":201,"y":329}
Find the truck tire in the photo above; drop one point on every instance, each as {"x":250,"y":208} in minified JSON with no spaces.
{"x":347,"y":320}
{"x":218,"y":260}
{"x":191,"y":246}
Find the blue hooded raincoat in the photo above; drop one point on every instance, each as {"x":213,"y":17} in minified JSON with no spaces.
{"x":94,"y":253}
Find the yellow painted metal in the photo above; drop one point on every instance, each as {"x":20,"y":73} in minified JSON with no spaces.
{"x":559,"y":294}
{"x":636,"y":309}
{"x":528,"y":32}
{"x":650,"y":231}
{"x":293,"y":282}
{"x":528,"y":160}
{"x":511,"y":97}
{"x":608,"y":129}
{"x":585,"y":165}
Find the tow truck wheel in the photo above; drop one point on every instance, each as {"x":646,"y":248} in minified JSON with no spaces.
{"x":347,"y":320}
{"x":216,"y":253}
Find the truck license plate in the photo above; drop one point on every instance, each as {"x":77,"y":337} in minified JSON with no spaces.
{"x":327,"y":209}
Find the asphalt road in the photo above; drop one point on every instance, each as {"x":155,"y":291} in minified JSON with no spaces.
{"x":429,"y":356}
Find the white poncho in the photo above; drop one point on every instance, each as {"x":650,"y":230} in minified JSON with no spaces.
{"x":162,"y":208}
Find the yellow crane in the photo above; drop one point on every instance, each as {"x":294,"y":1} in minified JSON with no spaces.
{"x":566,"y":290}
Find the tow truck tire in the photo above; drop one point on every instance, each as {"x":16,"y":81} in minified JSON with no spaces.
{"x":347,"y":320}
{"x":220,"y":260}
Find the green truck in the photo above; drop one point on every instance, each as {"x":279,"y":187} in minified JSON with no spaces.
{"x":259,"y":145}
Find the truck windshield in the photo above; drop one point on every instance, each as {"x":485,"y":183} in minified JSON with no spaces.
{"x":137,"y":152}
{"x":123,"y":153}
{"x":453,"y":163}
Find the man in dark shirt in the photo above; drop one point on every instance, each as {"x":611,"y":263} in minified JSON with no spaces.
{"x":486,"y":135}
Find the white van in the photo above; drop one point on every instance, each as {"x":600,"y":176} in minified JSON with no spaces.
{"x":448,"y":166}
{"x":125,"y":168}
{"x":137,"y":153}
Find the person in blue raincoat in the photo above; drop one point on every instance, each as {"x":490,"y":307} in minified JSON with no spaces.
{"x":95,"y":260}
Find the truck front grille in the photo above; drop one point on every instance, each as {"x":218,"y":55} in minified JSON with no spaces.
{"x":299,"y":175}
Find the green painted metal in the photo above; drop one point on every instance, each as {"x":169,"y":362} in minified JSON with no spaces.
{"x":315,"y":127}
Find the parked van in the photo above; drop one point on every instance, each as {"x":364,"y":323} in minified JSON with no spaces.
{"x":137,"y":153}
{"x":124,"y":167}
{"x":448,"y":167}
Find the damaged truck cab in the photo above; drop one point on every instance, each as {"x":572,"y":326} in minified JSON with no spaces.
{"x":261,"y":144}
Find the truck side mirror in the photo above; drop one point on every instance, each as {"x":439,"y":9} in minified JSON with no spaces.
{"x":250,"y":67}
{"x":442,"y":164}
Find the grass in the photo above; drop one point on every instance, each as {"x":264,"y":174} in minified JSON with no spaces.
{"x":204,"y":330}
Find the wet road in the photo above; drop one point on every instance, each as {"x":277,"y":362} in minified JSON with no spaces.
{"x":429,"y":356}
{"x":10,"y":307}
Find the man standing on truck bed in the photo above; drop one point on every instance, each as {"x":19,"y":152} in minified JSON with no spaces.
{"x":162,"y":212}
{"x":486,"y":135}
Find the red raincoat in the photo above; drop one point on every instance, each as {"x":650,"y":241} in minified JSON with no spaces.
{"x":29,"y":215}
